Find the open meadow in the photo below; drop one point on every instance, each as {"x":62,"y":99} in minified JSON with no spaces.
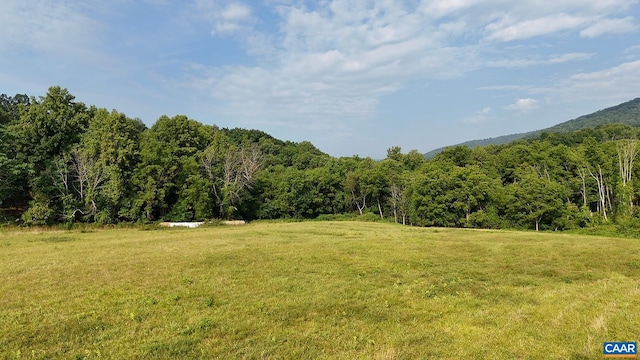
{"x":315,"y":290}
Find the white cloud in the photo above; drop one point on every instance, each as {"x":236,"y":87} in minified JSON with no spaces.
{"x":236,"y":12}
{"x":333,"y":64}
{"x":510,"y":21}
{"x":523,"y":105}
{"x":559,"y":59}
{"x":607,"y":86}
{"x":610,"y":26}
{"x":441,"y":8}
{"x":332,"y":61}
{"x":226,"y":19}
{"x":480,"y":117}
{"x":632,"y":49}
{"x":532,"y":61}
{"x":618,"y":83}
{"x":509,"y":29}
{"x":509,"y":88}
{"x":48,"y":27}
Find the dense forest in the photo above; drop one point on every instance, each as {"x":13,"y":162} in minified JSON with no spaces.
{"x":64,"y":162}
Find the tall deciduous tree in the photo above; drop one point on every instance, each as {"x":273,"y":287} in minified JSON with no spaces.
{"x":50,"y":126}
{"x":231,"y":170}
{"x":365,"y":184}
{"x":168,"y":155}
{"x":537,"y":200}
{"x":112,"y":140}
{"x":599,"y":163}
{"x":627,"y":153}
{"x":47,"y":131}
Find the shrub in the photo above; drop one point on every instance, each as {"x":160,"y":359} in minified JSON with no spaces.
{"x":39,"y":212}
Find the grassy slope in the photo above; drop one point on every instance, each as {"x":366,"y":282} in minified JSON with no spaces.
{"x":315,"y":290}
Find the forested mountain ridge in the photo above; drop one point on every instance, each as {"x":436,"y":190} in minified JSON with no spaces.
{"x":627,"y":113}
{"x":64,"y":162}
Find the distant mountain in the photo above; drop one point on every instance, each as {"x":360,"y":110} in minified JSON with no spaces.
{"x":627,"y":113}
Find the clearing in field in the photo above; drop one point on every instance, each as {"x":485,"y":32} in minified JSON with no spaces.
{"x":315,"y":290}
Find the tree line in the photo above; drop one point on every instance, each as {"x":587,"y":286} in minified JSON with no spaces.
{"x":64,"y":162}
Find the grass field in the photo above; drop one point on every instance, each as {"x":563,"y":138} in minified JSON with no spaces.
{"x":315,"y":290}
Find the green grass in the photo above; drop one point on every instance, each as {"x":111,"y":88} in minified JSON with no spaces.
{"x":315,"y":290}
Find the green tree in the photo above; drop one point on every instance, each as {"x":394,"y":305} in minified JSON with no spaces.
{"x":399,"y":181}
{"x":449,"y":196}
{"x":49,"y":127}
{"x":46,"y":131}
{"x":111,"y":145}
{"x":395,"y":153}
{"x":537,"y":201}
{"x":13,"y":172}
{"x":10,"y":107}
{"x":12,"y":175}
{"x":413,"y":160}
{"x":365,"y":184}
{"x":168,"y":157}
{"x":231,"y":170}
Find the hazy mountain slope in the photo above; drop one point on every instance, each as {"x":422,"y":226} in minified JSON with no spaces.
{"x":626,"y":113}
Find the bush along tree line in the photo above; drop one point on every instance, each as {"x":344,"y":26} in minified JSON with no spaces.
{"x":64,"y":162}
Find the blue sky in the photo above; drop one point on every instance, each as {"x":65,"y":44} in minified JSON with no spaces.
{"x":351,"y":76}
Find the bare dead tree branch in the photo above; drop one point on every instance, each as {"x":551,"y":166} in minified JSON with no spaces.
{"x":602,"y":191}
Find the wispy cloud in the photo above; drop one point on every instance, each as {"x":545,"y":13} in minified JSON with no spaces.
{"x":632,"y":49}
{"x":559,"y":59}
{"x":226,"y":18}
{"x":334,"y":60}
{"x":510,"y":88}
{"x":510,"y":29}
{"x":522,"y":62}
{"x":523,"y":105}
{"x":48,"y":27}
{"x":334,"y":63}
{"x":610,"y":26}
{"x":480,"y":117}
{"x":618,"y":83}
{"x":609,"y":85}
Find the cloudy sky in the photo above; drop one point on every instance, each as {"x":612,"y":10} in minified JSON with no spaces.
{"x":351,"y":76}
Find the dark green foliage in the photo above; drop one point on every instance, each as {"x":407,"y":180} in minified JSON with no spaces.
{"x":168,"y":166}
{"x":449,"y":198}
{"x":293,"y":193}
{"x":13,"y":170}
{"x":537,"y":202}
{"x":61,"y":162}
{"x":49,"y":127}
{"x":10,"y":107}
{"x":113,"y":142}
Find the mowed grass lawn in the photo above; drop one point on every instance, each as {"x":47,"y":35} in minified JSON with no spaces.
{"x":315,"y":290}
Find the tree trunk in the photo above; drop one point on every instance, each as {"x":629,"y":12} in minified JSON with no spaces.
{"x":364,"y":204}
{"x":602,"y":191}
{"x":627,"y":152}
{"x":467,"y":211}
{"x":583,"y":175}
